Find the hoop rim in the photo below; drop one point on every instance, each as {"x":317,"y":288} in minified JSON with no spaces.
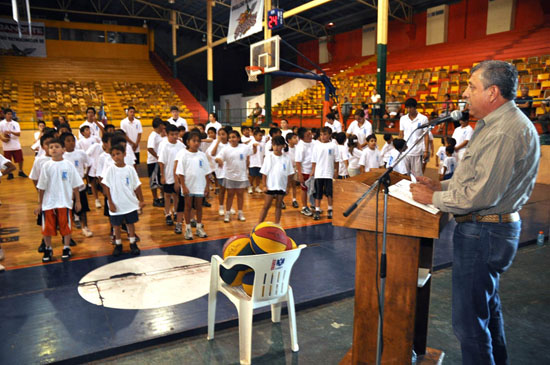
{"x":254,"y":68}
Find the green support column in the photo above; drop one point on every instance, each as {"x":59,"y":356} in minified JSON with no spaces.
{"x":267,"y":93}
{"x":174,"y":68}
{"x":210,"y":100}
{"x":381,"y":53}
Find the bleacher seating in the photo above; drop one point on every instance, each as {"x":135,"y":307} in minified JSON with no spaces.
{"x":10,"y":94}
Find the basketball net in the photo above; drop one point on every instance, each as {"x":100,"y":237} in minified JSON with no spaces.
{"x":251,"y":72}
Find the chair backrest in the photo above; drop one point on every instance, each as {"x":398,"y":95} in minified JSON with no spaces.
{"x":271,"y":272}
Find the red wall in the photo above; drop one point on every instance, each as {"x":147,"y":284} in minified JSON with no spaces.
{"x":467,"y":20}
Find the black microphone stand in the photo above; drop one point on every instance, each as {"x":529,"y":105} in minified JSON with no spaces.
{"x":384,"y":179}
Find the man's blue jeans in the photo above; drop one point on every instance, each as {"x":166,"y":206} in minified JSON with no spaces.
{"x":482,"y":251}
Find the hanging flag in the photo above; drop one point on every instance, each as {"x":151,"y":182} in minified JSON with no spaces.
{"x":16,"y":15}
{"x":245,"y":19}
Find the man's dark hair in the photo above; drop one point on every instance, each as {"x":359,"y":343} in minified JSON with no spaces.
{"x":399,"y":144}
{"x":41,"y":122}
{"x":302,"y":132}
{"x":215,"y":116}
{"x":90,"y":108}
{"x":499,"y":73}
{"x":387,"y":137}
{"x":171,"y":128}
{"x":157,"y":122}
{"x":273,"y":131}
{"x":8,"y":110}
{"x":174,"y":108}
{"x":450,"y":149}
{"x":131,"y":108}
{"x":359,"y":113}
{"x":330,"y":116}
{"x":411,"y":102}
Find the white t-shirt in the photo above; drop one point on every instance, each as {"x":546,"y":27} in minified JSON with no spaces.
{"x":3,"y":162}
{"x":216,"y":125}
{"x":324,"y":155}
{"x":58,"y":179}
{"x":354,"y":158}
{"x":194,"y":166}
{"x":408,"y":127}
{"x":375,"y":98}
{"x":371,"y":159}
{"x":336,"y":126}
{"x":277,"y":169}
{"x":245,"y":139}
{"x":219,"y":171}
{"x":13,"y":144}
{"x":303,"y":156}
{"x":462,"y":134}
{"x":400,"y":167}
{"x":103,"y":163}
{"x":235,"y":161}
{"x":132,"y":129}
{"x":292,"y":155}
{"x":178,"y":123}
{"x":122,"y":183}
{"x":441,"y":154}
{"x":85,"y":143}
{"x":257,"y":159}
{"x":344,"y":156}
{"x":385,"y":153}
{"x":80,"y":161}
{"x":93,"y":153}
{"x":168,"y":157}
{"x":284,"y":132}
{"x":362,"y":132}
{"x":450,"y":164}
{"x":94,"y":129}
{"x":39,"y":161}
{"x":153,"y":142}
{"x":130,"y":158}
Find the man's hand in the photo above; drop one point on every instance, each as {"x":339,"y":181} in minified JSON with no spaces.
{"x":38,"y":210}
{"x":77,"y":207}
{"x":422,"y":193}
{"x":434,"y":185}
{"x":141,"y":205}
{"x":300,"y":178}
{"x":185,"y":190}
{"x":112,"y":206}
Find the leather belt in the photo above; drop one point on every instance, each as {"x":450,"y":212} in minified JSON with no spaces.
{"x":491,"y":218}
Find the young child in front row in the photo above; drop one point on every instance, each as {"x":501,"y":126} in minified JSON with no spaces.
{"x":192,"y":172}
{"x":234,"y":159}
{"x":256,"y":161}
{"x":449,"y":164}
{"x":292,"y":141}
{"x":387,"y":148}
{"x":81,"y":162}
{"x":276,"y":172}
{"x":58,"y":184}
{"x":166,"y":163}
{"x":400,"y":146}
{"x":324,"y":168}
{"x":123,"y":190}
{"x":343,"y":153}
{"x":371,"y":158}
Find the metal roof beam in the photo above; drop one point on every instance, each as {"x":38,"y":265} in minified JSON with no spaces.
{"x":398,"y":9}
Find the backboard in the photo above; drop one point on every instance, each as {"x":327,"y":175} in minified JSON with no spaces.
{"x":265,"y":54}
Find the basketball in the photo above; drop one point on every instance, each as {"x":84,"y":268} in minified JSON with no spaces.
{"x":233,"y":277}
{"x":291,"y":245}
{"x":248,"y":282}
{"x":268,"y":237}
{"x":238,"y":245}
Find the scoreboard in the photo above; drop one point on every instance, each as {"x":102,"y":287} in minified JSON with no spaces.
{"x":275,"y":19}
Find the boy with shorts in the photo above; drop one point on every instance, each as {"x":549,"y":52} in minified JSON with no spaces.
{"x":57,"y":186}
{"x":324,"y":167}
{"x":9,"y":135}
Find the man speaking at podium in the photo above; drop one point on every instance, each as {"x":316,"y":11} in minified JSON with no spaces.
{"x":490,"y":185}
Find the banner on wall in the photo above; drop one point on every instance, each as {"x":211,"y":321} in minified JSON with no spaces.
{"x":28,"y":46}
{"x":245,"y":19}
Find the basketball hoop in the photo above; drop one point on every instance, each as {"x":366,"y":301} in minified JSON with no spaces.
{"x":253,"y":72}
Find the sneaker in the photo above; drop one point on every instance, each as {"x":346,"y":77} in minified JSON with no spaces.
{"x":283,"y":205}
{"x":295,"y":204}
{"x":205,"y":203}
{"x":1,"y":254}
{"x":232,"y":211}
{"x":66,"y":254}
{"x":10,"y":176}
{"x":137,"y":238}
{"x":193,"y":222}
{"x":329,"y":213}
{"x":316,"y":215}
{"x":118,"y":250}
{"x":306,"y":211}
{"x":227,"y":217}
{"x":97,"y":203}
{"x":250,"y":190}
{"x":178,"y":230}
{"x":200,"y":231}
{"x":77,"y":223}
{"x":169,"y":220}
{"x":86,"y":232}
{"x":241,"y":217}
{"x":48,"y":254}
{"x":134,"y":249}
{"x":156,"y":203}
{"x":188,"y":234}
{"x":221,"y":211}
{"x":42,"y":246}
{"x":161,"y":202}
{"x":22,"y":174}
{"x":72,"y":243}
{"x":258,"y":189}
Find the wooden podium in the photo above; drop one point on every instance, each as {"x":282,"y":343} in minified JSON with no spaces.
{"x":410,"y":235}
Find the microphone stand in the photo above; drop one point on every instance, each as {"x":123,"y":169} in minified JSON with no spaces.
{"x":384,"y":179}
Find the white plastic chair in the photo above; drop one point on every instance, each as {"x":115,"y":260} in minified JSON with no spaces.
{"x":271,"y":276}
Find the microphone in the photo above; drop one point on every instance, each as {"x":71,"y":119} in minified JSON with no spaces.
{"x":455,"y":116}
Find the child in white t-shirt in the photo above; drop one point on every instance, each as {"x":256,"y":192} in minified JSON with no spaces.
{"x":370,"y":159}
{"x":86,"y":139}
{"x":234,"y":159}
{"x":153,"y":169}
{"x":81,"y":162}
{"x":292,"y":141}
{"x":94,"y":151}
{"x":449,"y":164}
{"x":166,"y":163}
{"x":354,"y":155}
{"x":324,"y":167}
{"x":219,"y":172}
{"x":276,"y":172}
{"x":123,"y":190}
{"x":246,"y":134}
{"x":57,"y":186}
{"x":440,"y":156}
{"x":343,"y":153}
{"x":256,"y":161}
{"x":387,"y":148}
{"x":303,"y":165}
{"x":192,"y":171}
{"x":400,"y":146}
